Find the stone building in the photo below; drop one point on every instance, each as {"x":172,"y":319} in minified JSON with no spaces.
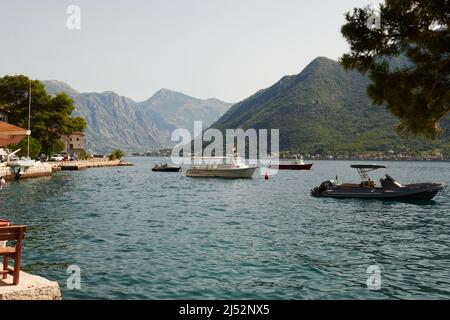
{"x":74,"y":142}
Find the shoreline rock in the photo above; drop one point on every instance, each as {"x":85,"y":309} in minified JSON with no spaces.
{"x":30,"y":287}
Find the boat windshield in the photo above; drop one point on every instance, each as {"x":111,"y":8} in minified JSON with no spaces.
{"x":217,"y":161}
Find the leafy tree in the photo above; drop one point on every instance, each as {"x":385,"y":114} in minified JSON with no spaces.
{"x":50,"y":115}
{"x":56,"y":147}
{"x":82,"y":155}
{"x":35,"y":147}
{"x":418,"y":91}
{"x":116,"y":155}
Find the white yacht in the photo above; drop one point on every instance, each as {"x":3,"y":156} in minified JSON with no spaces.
{"x":220,"y":167}
{"x":22,"y":162}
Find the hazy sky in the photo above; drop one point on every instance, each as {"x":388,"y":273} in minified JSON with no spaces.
{"x":225,"y":49}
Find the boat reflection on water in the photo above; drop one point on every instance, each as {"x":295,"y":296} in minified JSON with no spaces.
{"x":390,"y":189}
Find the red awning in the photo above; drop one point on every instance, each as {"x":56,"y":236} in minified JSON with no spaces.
{"x":10,"y":134}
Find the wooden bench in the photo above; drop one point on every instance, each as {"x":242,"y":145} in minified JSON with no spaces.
{"x":14,"y":233}
{"x":4,"y":223}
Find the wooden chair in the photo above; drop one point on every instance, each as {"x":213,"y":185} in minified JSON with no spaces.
{"x":5,"y":223}
{"x":14,"y":233}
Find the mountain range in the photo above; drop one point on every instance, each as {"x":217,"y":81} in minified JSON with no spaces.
{"x":115,"y":121}
{"x":325,"y":109}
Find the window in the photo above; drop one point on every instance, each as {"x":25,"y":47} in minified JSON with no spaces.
{"x":78,"y":139}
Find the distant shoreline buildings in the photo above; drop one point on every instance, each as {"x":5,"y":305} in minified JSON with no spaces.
{"x":373,"y":156}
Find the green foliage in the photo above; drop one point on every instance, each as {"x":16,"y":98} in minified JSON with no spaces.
{"x":82,"y":155}
{"x":35,"y":147}
{"x":417,"y":89}
{"x":50,"y":115}
{"x":325,"y":109}
{"x":117,"y":154}
{"x":57,"y":146}
{"x":446,"y":151}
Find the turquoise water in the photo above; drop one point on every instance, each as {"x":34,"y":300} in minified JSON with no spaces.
{"x":136,"y":234}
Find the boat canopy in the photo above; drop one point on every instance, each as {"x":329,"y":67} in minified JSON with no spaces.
{"x":367,"y":166}
{"x":364,"y":169}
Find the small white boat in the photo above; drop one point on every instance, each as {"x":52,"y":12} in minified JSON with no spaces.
{"x":22,"y":162}
{"x":221,"y":167}
{"x":21,"y":165}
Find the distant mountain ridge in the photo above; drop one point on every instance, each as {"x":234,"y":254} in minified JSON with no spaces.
{"x":115,"y":121}
{"x":324,"y":109}
{"x":54,"y":86}
{"x":181,"y":110}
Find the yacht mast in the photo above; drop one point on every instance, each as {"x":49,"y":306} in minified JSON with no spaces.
{"x":29,"y":120}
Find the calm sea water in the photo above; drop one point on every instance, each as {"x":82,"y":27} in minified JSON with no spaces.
{"x":136,"y":234}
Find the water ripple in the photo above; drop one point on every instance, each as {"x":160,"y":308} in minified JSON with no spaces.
{"x":142,"y":235}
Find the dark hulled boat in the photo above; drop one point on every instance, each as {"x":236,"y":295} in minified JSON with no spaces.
{"x":389,"y":189}
{"x":294,"y":166}
{"x":164,"y":167}
{"x":297,"y":164}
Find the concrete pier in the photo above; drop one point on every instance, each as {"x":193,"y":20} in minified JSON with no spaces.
{"x":30,"y":287}
{"x":42,"y":169}
{"x":85,"y":164}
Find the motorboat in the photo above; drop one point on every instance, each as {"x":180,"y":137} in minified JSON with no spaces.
{"x":20,"y":166}
{"x":389,"y":189}
{"x":221,"y":167}
{"x":22,"y":162}
{"x":296,"y":164}
{"x":165,"y":167}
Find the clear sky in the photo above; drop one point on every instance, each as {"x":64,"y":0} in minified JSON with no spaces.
{"x":227,"y":49}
